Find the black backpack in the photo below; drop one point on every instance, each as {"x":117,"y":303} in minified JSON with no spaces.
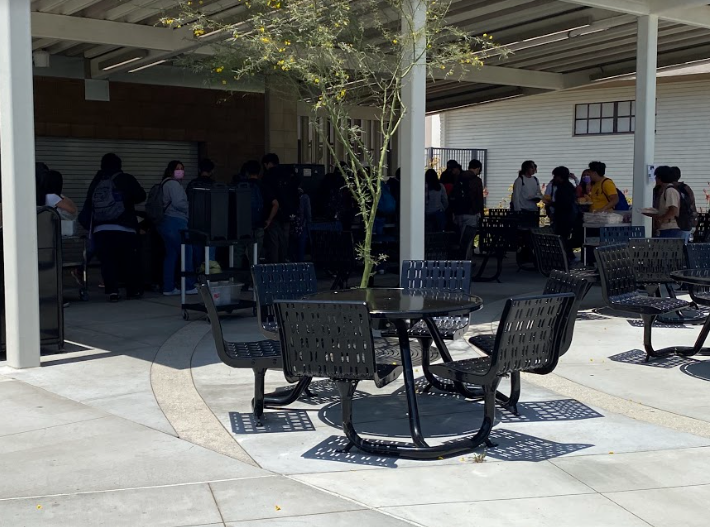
{"x":107,"y":201}
{"x":460,"y":197}
{"x":687,"y":213}
{"x":154,"y":207}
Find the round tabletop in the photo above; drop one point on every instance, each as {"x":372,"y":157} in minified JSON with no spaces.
{"x":698,"y":277}
{"x":405,"y":303}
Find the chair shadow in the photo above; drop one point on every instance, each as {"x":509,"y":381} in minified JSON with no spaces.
{"x":332,"y":449}
{"x":658,"y":324}
{"x":549,"y":411}
{"x":514,"y":446}
{"x":272,"y":422}
{"x":698,"y":369}
{"x":448,"y":415}
{"x":638,"y":357}
{"x":590,"y":316}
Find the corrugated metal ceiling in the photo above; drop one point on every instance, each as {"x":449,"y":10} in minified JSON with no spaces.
{"x":607,"y":52}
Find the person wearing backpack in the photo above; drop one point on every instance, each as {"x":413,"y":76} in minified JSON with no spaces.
{"x":665,"y":222}
{"x":175,"y":214}
{"x":466,"y":198}
{"x":109,"y":215}
{"x":605,"y":196}
{"x":688,"y":214}
{"x":526,"y":189}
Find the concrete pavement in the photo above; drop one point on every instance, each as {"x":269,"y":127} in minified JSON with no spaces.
{"x":141,"y":425}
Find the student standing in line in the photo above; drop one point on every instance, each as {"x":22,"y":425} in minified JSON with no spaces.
{"x":109,"y":214}
{"x":175,"y":215}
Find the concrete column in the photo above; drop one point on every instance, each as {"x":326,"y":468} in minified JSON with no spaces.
{"x":19,"y":215}
{"x":645,"y":136}
{"x":281,"y":123}
{"x":412,"y":135}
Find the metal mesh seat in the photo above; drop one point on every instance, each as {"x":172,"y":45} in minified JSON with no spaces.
{"x":496,"y":236}
{"x":653,"y":259}
{"x":618,"y":281}
{"x":529,"y":338}
{"x":557,"y":283}
{"x":280,"y":282}
{"x":258,"y":356}
{"x":334,"y":251}
{"x":436,"y":276}
{"x":702,"y":228}
{"x":551,"y":256}
{"x":439,"y":245}
{"x":699,"y":258}
{"x":611,"y":235}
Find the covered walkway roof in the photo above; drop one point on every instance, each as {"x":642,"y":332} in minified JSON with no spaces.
{"x":555,"y":44}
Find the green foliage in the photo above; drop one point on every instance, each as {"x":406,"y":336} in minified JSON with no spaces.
{"x":336,"y":55}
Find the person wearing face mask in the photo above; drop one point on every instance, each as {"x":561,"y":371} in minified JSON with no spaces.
{"x":584,"y":189}
{"x":175,"y":216}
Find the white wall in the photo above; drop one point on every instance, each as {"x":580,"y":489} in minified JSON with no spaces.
{"x":540,"y":128}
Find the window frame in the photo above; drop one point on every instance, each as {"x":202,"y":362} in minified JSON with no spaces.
{"x":615,"y":117}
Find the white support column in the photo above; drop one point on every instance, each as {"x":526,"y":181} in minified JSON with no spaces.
{"x":645,"y":136}
{"x":412,"y":135}
{"x":19,"y":216}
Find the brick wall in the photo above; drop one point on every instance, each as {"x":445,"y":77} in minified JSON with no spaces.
{"x":229,"y":127}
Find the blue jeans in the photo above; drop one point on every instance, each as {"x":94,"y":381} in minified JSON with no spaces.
{"x":671,"y":233}
{"x":169,"y":230}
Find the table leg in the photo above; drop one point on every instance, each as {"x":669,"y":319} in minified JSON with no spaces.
{"x":698,"y":348}
{"x":408,"y":371}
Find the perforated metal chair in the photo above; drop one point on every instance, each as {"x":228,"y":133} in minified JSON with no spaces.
{"x":699,"y":258}
{"x":702,"y":228}
{"x":558,"y":283}
{"x":280,"y":282}
{"x":529,"y":338}
{"x":620,"y":293}
{"x":496,"y":236}
{"x":258,"y":356}
{"x":439,"y":245}
{"x":435,"y":276}
{"x":334,"y":251}
{"x":611,"y":235}
{"x":551,"y":256}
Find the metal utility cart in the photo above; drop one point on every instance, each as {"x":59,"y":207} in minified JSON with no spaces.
{"x":197,"y":238}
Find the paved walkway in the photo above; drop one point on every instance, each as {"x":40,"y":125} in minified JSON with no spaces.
{"x":139,"y":424}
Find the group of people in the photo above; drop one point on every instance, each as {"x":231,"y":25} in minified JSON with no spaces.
{"x":280,"y":214}
{"x":455,"y":199}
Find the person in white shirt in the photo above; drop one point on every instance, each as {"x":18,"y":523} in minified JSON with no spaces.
{"x":49,"y":194}
{"x":526,"y":189}
{"x":665,"y":222}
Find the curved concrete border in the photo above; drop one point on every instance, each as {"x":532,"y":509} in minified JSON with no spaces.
{"x":187,"y":412}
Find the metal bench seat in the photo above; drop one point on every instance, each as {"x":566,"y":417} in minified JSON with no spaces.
{"x":558,"y":282}
{"x":529,"y":338}
{"x":618,"y":281}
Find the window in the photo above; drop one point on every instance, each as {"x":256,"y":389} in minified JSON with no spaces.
{"x":604,"y":118}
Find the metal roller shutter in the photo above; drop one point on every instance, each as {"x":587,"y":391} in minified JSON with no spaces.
{"x":79,"y":159}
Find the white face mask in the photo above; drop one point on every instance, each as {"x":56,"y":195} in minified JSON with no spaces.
{"x":179,"y":174}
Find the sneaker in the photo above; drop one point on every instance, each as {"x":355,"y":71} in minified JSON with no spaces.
{"x":174,"y":292}
{"x":101,"y":285}
{"x":114,"y":297}
{"x":192,"y":291}
{"x":135,"y":295}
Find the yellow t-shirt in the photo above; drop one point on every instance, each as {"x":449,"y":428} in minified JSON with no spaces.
{"x":602,"y":192}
